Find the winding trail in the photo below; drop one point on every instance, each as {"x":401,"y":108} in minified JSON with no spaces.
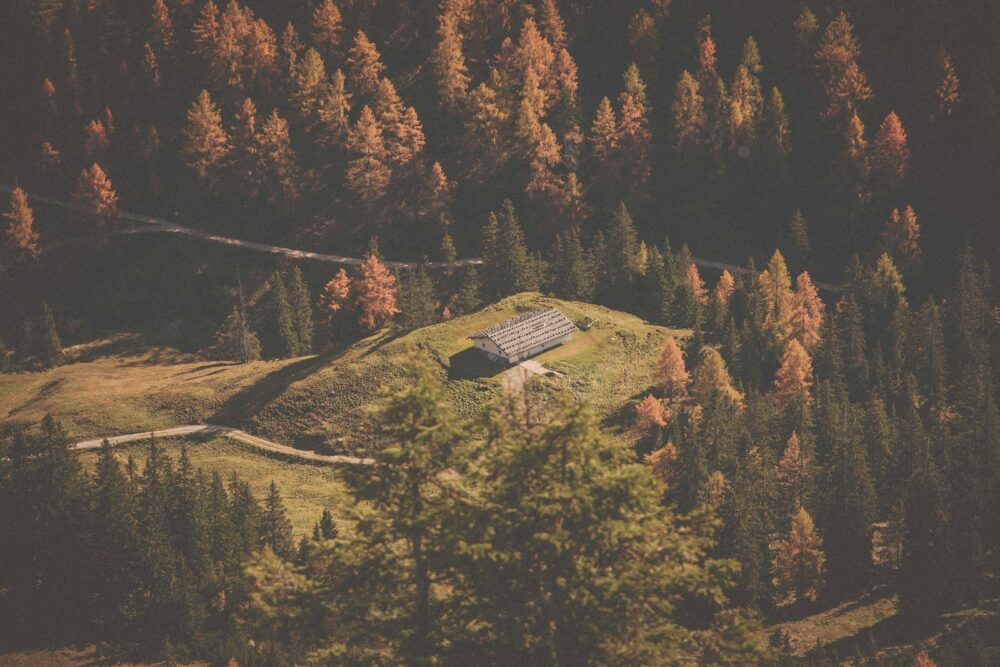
{"x":226,"y":432}
{"x":152,"y":225}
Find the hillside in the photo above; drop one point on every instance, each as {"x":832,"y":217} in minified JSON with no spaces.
{"x":314,"y":401}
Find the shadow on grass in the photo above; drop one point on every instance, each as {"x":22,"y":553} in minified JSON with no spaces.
{"x":238,"y":410}
{"x":470,"y":364}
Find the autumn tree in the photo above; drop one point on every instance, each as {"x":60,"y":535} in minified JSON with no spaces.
{"x":792,"y":474}
{"x":799,"y":562}
{"x":449,"y":63}
{"x":776,"y":288}
{"x":277,"y":165}
{"x":97,"y":196}
{"x":205,"y":142}
{"x":650,"y":414}
{"x":368,"y":173}
{"x":327,"y":24}
{"x":712,"y":378}
{"x":806,"y":318}
{"x":671,"y":375}
{"x":365,"y":66}
{"x":310,"y":88}
{"x":946,"y":93}
{"x":634,"y":136}
{"x":901,"y":238}
{"x":689,"y":120}
{"x":845,"y":84}
{"x":163,"y":27}
{"x":376,"y":294}
{"x":20,"y":237}
{"x":890,"y":155}
{"x":334,"y":112}
{"x":794,"y":377}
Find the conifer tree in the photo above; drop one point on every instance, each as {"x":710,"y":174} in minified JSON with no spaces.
{"x":794,"y":378}
{"x":806,"y":318}
{"x":97,"y":196}
{"x":651,"y":413}
{"x":275,"y":528}
{"x":799,"y":561}
{"x":375,"y":288}
{"x":163,"y":27}
{"x":947,"y":97}
{"x":301,"y":304}
{"x":49,"y":346}
{"x":327,"y":24}
{"x":890,"y":156}
{"x":277,"y":165}
{"x":205,"y":142}
{"x":506,"y":262}
{"x":449,"y":63}
{"x":844,"y":83}
{"x":634,"y":137}
{"x":469,"y":298}
{"x":364,"y":66}
{"x":621,"y":255}
{"x":417,"y":302}
{"x":775,"y":133}
{"x":368,"y":172}
{"x":923,"y":582}
{"x":776,"y":288}
{"x":572,"y":277}
{"x":310,"y":88}
{"x":20,"y":237}
{"x":901,"y":238}
{"x":792,"y":475}
{"x":235,"y":339}
{"x":291,"y":47}
{"x":712,"y":378}
{"x":286,"y":338}
{"x":798,"y":235}
{"x":689,"y":120}
{"x":334,"y":113}
{"x":671,"y":375}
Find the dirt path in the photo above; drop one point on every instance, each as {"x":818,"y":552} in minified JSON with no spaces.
{"x":152,"y":225}
{"x":226,"y":432}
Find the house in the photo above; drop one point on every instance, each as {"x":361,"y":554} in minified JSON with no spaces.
{"x":524,"y":336}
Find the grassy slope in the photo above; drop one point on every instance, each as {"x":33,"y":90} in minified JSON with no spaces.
{"x":307,"y":489}
{"x":607,"y":365}
{"x":121,"y":386}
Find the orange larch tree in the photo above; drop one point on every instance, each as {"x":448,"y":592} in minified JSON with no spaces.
{"x":449,"y":63}
{"x":650,"y":414}
{"x":806,"y":318}
{"x":671,"y":375}
{"x":375,"y":288}
{"x":724,"y":288}
{"x":791,"y":474}
{"x":890,"y":158}
{"x":95,"y":193}
{"x":901,"y":238}
{"x":364,"y":66}
{"x":664,"y":462}
{"x":776,"y":290}
{"x":794,"y":377}
{"x":712,"y":376}
{"x":337,"y":293}
{"x":327,"y":24}
{"x":697,"y":284}
{"x":367,"y":173}
{"x":947,"y":87}
{"x":799,"y":561}
{"x":20,"y":237}
{"x":205,"y":142}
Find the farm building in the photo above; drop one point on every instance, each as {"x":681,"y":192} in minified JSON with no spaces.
{"x":524,"y":336}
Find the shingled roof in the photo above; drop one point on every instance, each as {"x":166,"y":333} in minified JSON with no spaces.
{"x":527,"y":330}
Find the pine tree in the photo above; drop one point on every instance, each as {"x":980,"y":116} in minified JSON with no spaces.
{"x":923,"y":582}
{"x":368,"y":173}
{"x":947,"y":97}
{"x":364,"y":66}
{"x":449,"y":63}
{"x":286,"y":338}
{"x":301,"y":305}
{"x":806,"y":318}
{"x":890,"y":155}
{"x":844,"y":83}
{"x":798,"y":235}
{"x":776,"y":288}
{"x":334,"y":113}
{"x":792,"y":475}
{"x":650,"y":413}
{"x":163,"y":27}
{"x":508,"y":266}
{"x":205,"y":142}
{"x":621,"y":254}
{"x":97,"y":196}
{"x":417,"y":302}
{"x":572,"y":277}
{"x":20,"y":237}
{"x":275,"y":528}
{"x":799,"y":562}
{"x":671,"y":375}
{"x":901,"y":238}
{"x":690,"y":123}
{"x":712,"y":378}
{"x":277,"y":165}
{"x":291,"y":47}
{"x":775,"y":134}
{"x":375,"y":288}
{"x":235,"y":339}
{"x":327,"y":24}
{"x":794,"y":378}
{"x":49,"y":346}
{"x":310,"y":88}
{"x":634,"y":137}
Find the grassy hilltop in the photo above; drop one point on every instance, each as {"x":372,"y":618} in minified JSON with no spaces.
{"x":121,"y":386}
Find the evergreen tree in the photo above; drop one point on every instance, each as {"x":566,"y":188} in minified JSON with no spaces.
{"x":890,"y":155}
{"x":301,"y":305}
{"x":20,"y":240}
{"x":286,"y":338}
{"x":235,"y":340}
{"x":417,"y":301}
{"x":924,"y":583}
{"x":572,"y":277}
{"x":205,"y":142}
{"x":506,"y":262}
{"x":49,"y":346}
{"x":275,"y":528}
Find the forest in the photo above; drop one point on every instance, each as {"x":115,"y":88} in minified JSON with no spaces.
{"x":809,"y":190}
